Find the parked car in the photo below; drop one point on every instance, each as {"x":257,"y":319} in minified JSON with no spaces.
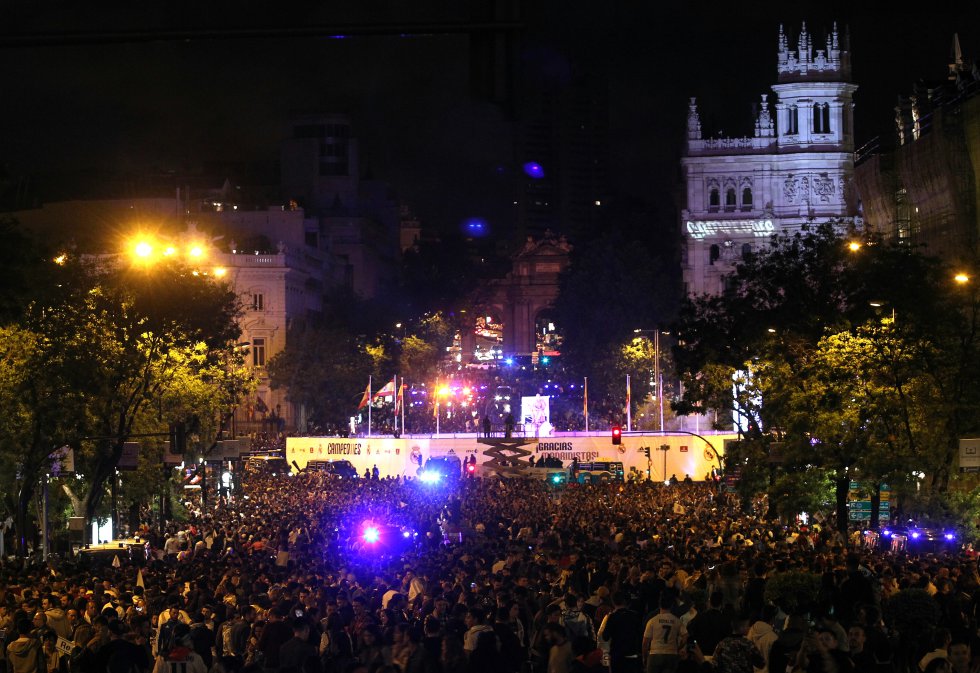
{"x":342,"y":469}
{"x":134,"y":550}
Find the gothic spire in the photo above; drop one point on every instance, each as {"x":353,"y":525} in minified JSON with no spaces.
{"x":693,"y":120}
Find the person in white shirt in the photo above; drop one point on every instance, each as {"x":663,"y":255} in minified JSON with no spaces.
{"x":663,"y":638}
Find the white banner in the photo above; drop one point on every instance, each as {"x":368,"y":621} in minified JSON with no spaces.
{"x":536,"y":415}
{"x":687,"y":455}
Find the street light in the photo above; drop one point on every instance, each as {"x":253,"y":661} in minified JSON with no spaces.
{"x":961,"y":278}
{"x":658,"y":379}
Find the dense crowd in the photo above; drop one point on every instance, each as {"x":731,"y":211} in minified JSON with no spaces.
{"x":311,"y":574}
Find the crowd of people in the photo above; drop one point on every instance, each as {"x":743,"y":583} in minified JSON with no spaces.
{"x":311,"y":574}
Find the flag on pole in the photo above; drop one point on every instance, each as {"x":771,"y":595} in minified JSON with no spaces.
{"x":387,"y":390}
{"x":400,"y":398}
{"x":366,"y":399}
{"x":629,"y":411}
{"x":585,"y":399}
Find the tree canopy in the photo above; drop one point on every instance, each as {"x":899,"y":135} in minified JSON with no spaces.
{"x":110,"y":351}
{"x":854,"y":355}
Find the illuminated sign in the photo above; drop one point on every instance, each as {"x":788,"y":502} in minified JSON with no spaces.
{"x":699,"y":229}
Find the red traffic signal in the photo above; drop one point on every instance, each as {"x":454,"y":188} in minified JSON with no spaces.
{"x":617,"y":435}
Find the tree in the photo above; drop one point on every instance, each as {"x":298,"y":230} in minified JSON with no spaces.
{"x":41,"y":414}
{"x":325,"y":369}
{"x":845,"y":391}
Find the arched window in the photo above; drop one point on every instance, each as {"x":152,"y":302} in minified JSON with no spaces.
{"x":821,"y":118}
{"x":747,"y":198}
{"x":792,"y":121}
{"x":730,"y":198}
{"x":714,"y":200}
{"x":714,"y":254}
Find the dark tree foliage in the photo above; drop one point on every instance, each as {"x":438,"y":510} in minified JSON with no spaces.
{"x":325,"y":369}
{"x":27,"y":270}
{"x":612,"y":287}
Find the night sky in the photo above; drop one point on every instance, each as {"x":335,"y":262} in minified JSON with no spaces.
{"x":174,"y":103}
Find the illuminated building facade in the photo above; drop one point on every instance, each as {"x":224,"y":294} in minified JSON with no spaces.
{"x":922,"y":185}
{"x":798,"y":166}
{"x":514,"y":318}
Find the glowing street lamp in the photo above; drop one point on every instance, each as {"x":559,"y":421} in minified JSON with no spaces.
{"x":196,"y":252}
{"x":854,"y":246}
{"x":961,"y":278}
{"x":143,"y":250}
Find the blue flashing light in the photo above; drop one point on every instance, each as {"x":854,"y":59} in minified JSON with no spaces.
{"x":406,"y":534}
{"x":475,"y":227}
{"x":949,"y":536}
{"x":428,"y":477}
{"x":371,"y":534}
{"x":915,"y":535}
{"x":533,"y":170}
{"x":509,"y":361}
{"x":545,"y":360}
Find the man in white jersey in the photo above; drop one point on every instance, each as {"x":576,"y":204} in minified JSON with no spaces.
{"x":663,"y":638}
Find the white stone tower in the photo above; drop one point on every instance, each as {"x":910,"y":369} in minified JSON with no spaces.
{"x":798,"y":167}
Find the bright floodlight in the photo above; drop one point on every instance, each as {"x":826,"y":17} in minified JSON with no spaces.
{"x":915,"y":535}
{"x":170,"y":251}
{"x":854,"y":246}
{"x":428,"y":477}
{"x":961,"y":278}
{"x":143,"y":249}
{"x":196,"y":251}
{"x":371,"y":534}
{"x":406,"y":534}
{"x":949,"y":536}
{"x":220,"y":271}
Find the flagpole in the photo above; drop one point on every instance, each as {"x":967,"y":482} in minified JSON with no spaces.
{"x":394,"y":426}
{"x":586,"y":404}
{"x":370,"y":404}
{"x":628,"y":405}
{"x":403,"y":407}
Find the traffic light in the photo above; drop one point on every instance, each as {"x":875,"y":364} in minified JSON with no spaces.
{"x":646,"y":452}
{"x":617,"y":435}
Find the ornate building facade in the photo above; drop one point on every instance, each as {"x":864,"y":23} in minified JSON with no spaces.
{"x":798,"y":166}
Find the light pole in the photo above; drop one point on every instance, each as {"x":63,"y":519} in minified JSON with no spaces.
{"x":658,"y":381}
{"x":658,"y":384}
{"x":664,"y":448}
